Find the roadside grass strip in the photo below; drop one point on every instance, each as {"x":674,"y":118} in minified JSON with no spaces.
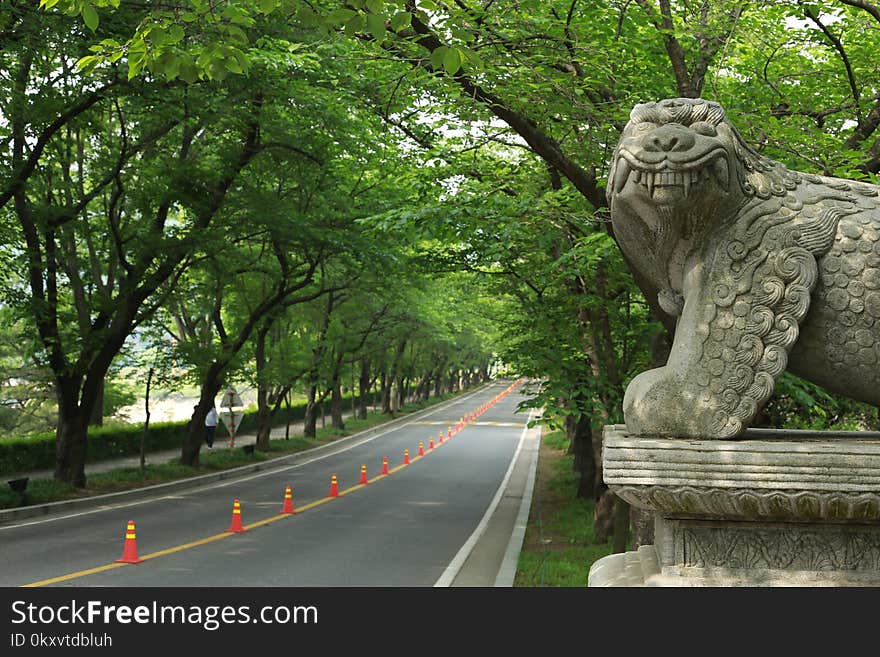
{"x":458,"y":427}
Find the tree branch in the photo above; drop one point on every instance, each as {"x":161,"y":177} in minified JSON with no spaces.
{"x":543,"y":145}
{"x":838,"y":46}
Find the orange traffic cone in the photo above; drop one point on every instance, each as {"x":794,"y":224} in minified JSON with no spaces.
{"x":384,"y":465}
{"x":334,"y":487}
{"x":364,"y":479}
{"x":440,"y":438}
{"x":448,"y":433}
{"x":235,"y":526}
{"x":431,"y":443}
{"x":129,"y":549}
{"x":406,"y":457}
{"x":421,"y":449}
{"x":288,"y":501}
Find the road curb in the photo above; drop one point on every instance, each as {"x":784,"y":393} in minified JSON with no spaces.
{"x":454,"y":574}
{"x":507,"y":571}
{"x":48,"y":508}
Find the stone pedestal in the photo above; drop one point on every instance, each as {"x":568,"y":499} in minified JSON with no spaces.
{"x":776,"y":508}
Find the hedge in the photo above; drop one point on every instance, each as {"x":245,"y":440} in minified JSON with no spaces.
{"x":37,"y":451}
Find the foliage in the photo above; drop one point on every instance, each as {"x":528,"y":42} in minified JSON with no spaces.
{"x":799,"y":404}
{"x":441,"y":164}
{"x":559,"y":548}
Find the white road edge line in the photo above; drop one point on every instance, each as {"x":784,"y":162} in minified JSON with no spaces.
{"x":262,"y":473}
{"x":452,"y":570}
{"x":507,"y":571}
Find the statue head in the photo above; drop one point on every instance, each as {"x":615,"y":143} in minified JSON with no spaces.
{"x":679,"y":170}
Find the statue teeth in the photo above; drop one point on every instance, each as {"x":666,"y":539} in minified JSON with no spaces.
{"x":686,"y":182}
{"x":649,"y":181}
{"x":621,"y":175}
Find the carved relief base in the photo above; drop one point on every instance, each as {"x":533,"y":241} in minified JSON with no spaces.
{"x":712,"y":553}
{"x":774,"y":509}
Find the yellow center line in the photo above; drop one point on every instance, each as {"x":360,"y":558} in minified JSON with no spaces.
{"x":259,"y":523}
{"x":217,"y":537}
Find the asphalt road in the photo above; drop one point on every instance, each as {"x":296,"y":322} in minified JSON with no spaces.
{"x":402,"y":529}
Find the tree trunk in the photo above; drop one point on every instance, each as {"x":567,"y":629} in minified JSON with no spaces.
{"x":264,"y":415}
{"x":423,"y":392}
{"x":386,"y":393}
{"x":336,"y":406}
{"x":146,"y":418}
{"x":310,"y":421}
{"x":401,"y":394}
{"x":76,"y":397}
{"x":97,"y":415}
{"x":264,"y":419}
{"x":579,"y":430}
{"x":196,"y":432}
{"x":71,"y":433}
{"x":363,"y":389}
{"x":287,"y":408}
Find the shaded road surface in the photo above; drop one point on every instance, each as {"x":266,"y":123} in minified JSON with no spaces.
{"x":453,"y":517}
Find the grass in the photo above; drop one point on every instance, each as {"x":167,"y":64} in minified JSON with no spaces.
{"x":41,"y":491}
{"x":559,"y":548}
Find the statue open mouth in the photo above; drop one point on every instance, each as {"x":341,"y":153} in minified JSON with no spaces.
{"x":670,"y":174}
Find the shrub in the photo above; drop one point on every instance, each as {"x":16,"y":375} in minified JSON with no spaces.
{"x":37,"y":451}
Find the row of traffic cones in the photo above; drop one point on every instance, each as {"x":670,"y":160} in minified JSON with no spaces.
{"x":467,"y":419}
{"x":129,"y":550}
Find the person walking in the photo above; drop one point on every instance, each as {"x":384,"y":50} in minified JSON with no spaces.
{"x":211,"y":420}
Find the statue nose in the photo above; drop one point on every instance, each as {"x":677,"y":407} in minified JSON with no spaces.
{"x":669,"y":138}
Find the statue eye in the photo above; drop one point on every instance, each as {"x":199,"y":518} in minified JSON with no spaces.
{"x":703,"y":128}
{"x":644,"y":126}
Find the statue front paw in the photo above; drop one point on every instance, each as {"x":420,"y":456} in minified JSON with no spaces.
{"x":663,"y":402}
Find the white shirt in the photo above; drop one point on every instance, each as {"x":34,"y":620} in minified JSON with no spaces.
{"x":211,"y":418}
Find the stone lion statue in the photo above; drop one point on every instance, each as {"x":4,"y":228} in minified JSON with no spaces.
{"x":764,"y":267}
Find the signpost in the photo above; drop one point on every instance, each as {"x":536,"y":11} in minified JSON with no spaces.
{"x":231,"y":419}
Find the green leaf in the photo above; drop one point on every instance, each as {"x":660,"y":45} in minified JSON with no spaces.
{"x":87,"y":63}
{"x":188,"y":71}
{"x":355,"y":24}
{"x":217,"y":70}
{"x":268,"y":6}
{"x":341,"y":16}
{"x":156,"y":35}
{"x":452,"y":60}
{"x":172,"y":65}
{"x":437,"y":57}
{"x":90,"y":17}
{"x":233,"y":65}
{"x":376,"y":26}
{"x":175,"y":34}
{"x":401,"y":20}
{"x":135,"y":66}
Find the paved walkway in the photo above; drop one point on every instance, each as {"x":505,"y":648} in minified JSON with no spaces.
{"x":221,"y":441}
{"x":488,"y":559}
